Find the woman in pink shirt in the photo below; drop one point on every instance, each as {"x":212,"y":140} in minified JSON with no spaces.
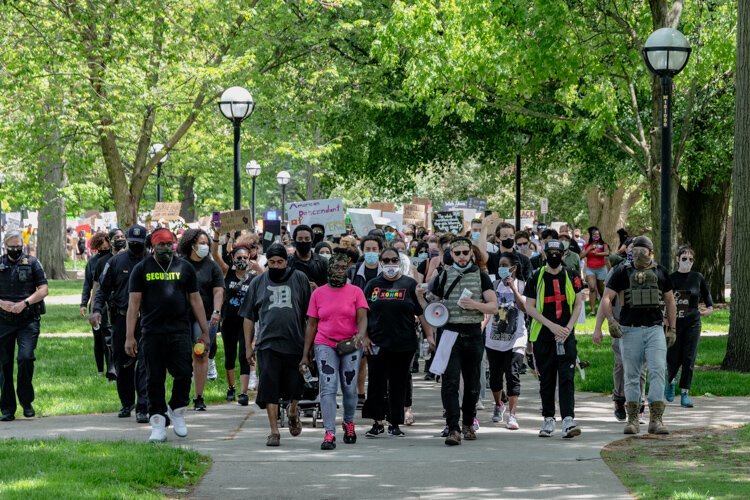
{"x":337,"y":312}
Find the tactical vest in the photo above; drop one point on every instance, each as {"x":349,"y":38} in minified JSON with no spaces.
{"x":16,"y":280}
{"x":643,"y":292}
{"x":471,"y":280}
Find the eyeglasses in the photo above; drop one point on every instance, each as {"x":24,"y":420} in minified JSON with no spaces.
{"x":687,"y":259}
{"x":462,"y":252}
{"x":339,"y":269}
{"x":242,"y":258}
{"x":394,"y":260}
{"x":522,"y":243}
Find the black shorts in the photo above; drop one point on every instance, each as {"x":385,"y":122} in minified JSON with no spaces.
{"x":279,"y":379}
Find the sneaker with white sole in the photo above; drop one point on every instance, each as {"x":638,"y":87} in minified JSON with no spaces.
{"x":212,"y":373}
{"x":570,"y":430}
{"x":178,"y":421}
{"x":479,"y":405}
{"x":512,"y":423}
{"x":408,"y":416}
{"x":476,"y":424}
{"x":498,"y":414}
{"x":158,"y":429}
{"x":548,"y":427}
{"x":253,"y":385}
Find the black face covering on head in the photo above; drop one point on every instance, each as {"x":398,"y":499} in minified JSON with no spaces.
{"x":276,"y":274}
{"x":14,"y":253}
{"x":317,"y":238}
{"x":554,"y":260}
{"x":447,"y":257}
{"x":507,"y":243}
{"x":119,"y":244}
{"x":303,"y":247}
{"x":136,"y":248}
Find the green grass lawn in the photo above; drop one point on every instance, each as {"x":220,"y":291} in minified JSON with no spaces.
{"x":718,"y":321}
{"x":708,"y":378}
{"x":694,"y":465}
{"x":61,"y":468}
{"x":65,"y":287}
{"x":66,"y":381}
{"x":63,"y":318}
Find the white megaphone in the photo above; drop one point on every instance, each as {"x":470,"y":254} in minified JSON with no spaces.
{"x":436,"y":314}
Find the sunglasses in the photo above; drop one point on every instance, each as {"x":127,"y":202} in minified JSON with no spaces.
{"x":394,"y":260}
{"x":687,"y":259}
{"x":554,"y":254}
{"x":462,"y":252}
{"x":242,"y":258}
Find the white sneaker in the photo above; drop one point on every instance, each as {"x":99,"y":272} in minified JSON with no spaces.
{"x":570,"y":429}
{"x":499,"y":413}
{"x":408,"y":417}
{"x":512,"y":423}
{"x":253,"y":385}
{"x":178,"y":420}
{"x":158,"y":429}
{"x":480,"y":405}
{"x":548,"y":427}
{"x":212,"y":373}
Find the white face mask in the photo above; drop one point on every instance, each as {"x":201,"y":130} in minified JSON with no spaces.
{"x":390,"y":271}
{"x":326,"y":256}
{"x":685,"y":266}
{"x":201,"y":251}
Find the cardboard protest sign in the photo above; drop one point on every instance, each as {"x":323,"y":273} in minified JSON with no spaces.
{"x":416,"y":200}
{"x":382,"y":206}
{"x":397,"y":220}
{"x":166,"y":211}
{"x":329,"y":213}
{"x":236,"y":220}
{"x":362,"y":223}
{"x":448,"y":222}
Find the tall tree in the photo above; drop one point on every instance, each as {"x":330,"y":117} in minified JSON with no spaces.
{"x":738,"y":347}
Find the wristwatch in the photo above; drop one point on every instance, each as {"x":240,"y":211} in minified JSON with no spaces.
{"x":26,"y":301}
{"x":217,"y":312}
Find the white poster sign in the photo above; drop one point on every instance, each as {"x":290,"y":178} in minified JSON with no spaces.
{"x":362,"y":223}
{"x":330,"y":213}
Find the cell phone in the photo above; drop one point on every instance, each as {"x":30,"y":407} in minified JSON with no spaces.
{"x":375,"y":349}
{"x":216,"y":219}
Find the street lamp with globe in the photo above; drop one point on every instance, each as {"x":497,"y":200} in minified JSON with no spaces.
{"x":236,"y":104}
{"x":153,"y":150}
{"x":283,"y":179}
{"x":253,"y":170}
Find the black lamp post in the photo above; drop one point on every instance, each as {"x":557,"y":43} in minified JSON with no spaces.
{"x":236,"y":104}
{"x":155,"y":148}
{"x":253,"y":170}
{"x":521,"y":140}
{"x":666,"y":53}
{"x":283,"y":179}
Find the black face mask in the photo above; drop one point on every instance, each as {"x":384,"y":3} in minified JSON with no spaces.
{"x":554,"y":260}
{"x":303,"y":247}
{"x":275,"y":274}
{"x":119,"y":244}
{"x":163,"y":254}
{"x":136,"y":248}
{"x":14,"y":253}
{"x":104,"y":251}
{"x":447,"y":257}
{"x":507,"y":243}
{"x":317,"y":238}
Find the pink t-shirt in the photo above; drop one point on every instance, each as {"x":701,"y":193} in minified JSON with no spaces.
{"x":336,"y":310}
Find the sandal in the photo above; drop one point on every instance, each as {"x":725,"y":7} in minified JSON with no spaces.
{"x":295,"y":425}
{"x":273,"y":440}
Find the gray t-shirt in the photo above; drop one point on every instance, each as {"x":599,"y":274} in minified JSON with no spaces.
{"x":278,"y":310}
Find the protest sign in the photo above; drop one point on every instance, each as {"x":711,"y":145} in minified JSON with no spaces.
{"x":236,"y":220}
{"x":362,"y":223}
{"x":478,"y":204}
{"x":454,"y":205}
{"x":382,"y":206}
{"x":397,"y":220}
{"x":166,"y":211}
{"x":329,"y":213}
{"x":448,"y":222}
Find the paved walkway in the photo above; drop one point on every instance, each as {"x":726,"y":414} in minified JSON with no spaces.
{"x":500,"y":464}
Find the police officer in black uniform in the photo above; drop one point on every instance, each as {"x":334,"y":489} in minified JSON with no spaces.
{"x":23,"y":287}
{"x":112,"y":293}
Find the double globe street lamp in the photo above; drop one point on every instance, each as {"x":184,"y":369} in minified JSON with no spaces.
{"x":253,"y":170}
{"x":236,"y":104}
{"x":283,"y":179}
{"x":666,"y":53}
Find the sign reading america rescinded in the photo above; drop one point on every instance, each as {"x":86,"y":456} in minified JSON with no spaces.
{"x":329,"y":213}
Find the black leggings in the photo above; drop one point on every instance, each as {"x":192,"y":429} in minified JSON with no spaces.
{"x":507,"y":364}
{"x":234,"y":341}
{"x":682,"y":354}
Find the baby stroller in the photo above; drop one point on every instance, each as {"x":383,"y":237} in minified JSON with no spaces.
{"x":309,"y":405}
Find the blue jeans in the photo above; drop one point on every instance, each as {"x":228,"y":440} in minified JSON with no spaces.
{"x":637,"y":343}
{"x":331,"y":368}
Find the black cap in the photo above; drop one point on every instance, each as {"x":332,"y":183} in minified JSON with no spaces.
{"x":136,"y":234}
{"x":553,"y":245}
{"x":643,"y":241}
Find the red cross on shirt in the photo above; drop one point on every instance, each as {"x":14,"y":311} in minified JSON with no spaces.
{"x":558,"y":298}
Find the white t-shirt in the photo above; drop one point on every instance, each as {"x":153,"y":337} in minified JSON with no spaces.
{"x":499,"y":340}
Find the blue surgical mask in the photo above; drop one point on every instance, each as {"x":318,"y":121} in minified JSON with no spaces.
{"x":422,"y":256}
{"x":534,"y":254}
{"x":504,"y":272}
{"x":475,"y":235}
{"x":371,"y":258}
{"x":389,"y":236}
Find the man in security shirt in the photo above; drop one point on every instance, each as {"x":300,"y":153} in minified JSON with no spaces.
{"x":112,"y":292}
{"x":23,"y":286}
{"x":164,"y":289}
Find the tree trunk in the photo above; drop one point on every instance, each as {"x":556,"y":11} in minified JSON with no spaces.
{"x":738,"y":346}
{"x":609,"y":212}
{"x":703,"y":221}
{"x":187,"y":188}
{"x":51,"y":249}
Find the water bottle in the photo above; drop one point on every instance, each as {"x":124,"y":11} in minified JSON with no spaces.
{"x":426,"y":354}
{"x":307,"y":375}
{"x":560,"y":349}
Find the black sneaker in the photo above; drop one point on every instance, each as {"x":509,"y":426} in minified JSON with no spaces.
{"x":377,"y":430}
{"x":243,"y":400}
{"x":28,"y":411}
{"x":360,"y":401}
{"x":199,"y":404}
{"x":394,"y":431}
{"x":7,"y":416}
{"x":430,"y":376}
{"x":141,"y":417}
{"x":231,"y":393}
{"x":329,"y":442}
{"x":350,"y":437}
{"x":125,"y":411}
{"x":620,"y":413}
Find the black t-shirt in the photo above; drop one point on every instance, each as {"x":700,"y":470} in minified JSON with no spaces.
{"x":620,"y":281}
{"x":393,"y":306}
{"x":422,"y":268}
{"x":316,"y":269}
{"x":235,"y":291}
{"x":165,"y":305}
{"x":556,"y":307}
{"x":209,"y":277}
{"x":370,"y":274}
{"x":689,"y":290}
{"x":524,"y":264}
